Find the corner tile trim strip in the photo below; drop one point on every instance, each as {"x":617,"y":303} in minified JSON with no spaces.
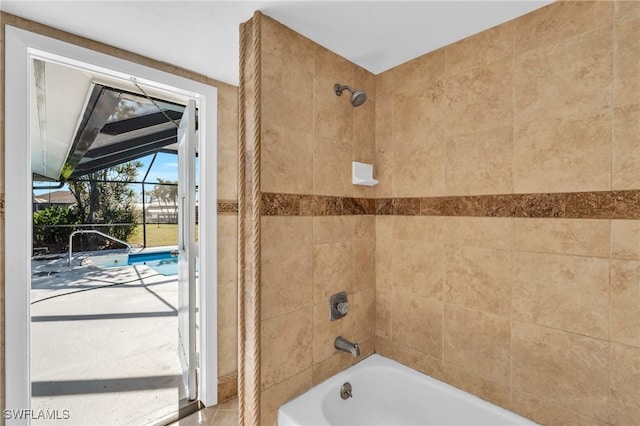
{"x":582,"y":205}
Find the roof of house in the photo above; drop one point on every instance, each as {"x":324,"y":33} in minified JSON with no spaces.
{"x":55,"y":197}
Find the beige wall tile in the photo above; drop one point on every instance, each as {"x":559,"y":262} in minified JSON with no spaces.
{"x":419,"y":228}
{"x":383,"y":173}
{"x":228,"y":312}
{"x":286,"y":346}
{"x":332,"y":270}
{"x":478,"y":278}
{"x":384,"y":311}
{"x":367,"y":347}
{"x":385,"y":227}
{"x":417,"y":323}
{"x":385,"y":83}
{"x":287,"y":265}
{"x":571,"y":77}
{"x":418,"y":146}
{"x":559,"y":21}
{"x":364,"y":130}
{"x":497,"y":393}
{"x":627,"y":9}
{"x":549,"y":413}
{"x":227,"y":269}
{"x":287,"y":281}
{"x":227,"y":349}
{"x":480,"y":99}
{"x":363,"y":313}
{"x":331,"y":229}
{"x":227,"y":143}
{"x":418,"y":361}
{"x":384,"y":346}
{"x":563,"y":155}
{"x":481,"y":49}
{"x":417,"y":72}
{"x":384,"y":264}
{"x":625,"y":239}
{"x":584,"y":237}
{"x":287,"y":67}
{"x":332,"y":115}
{"x":286,"y":160}
{"x":488,"y":232}
{"x":626,"y":147}
{"x":626,"y":69}
{"x":364,"y":266}
{"x":384,"y":252}
{"x":365,"y":227}
{"x":418,"y":169}
{"x":330,"y":367}
{"x":271,"y":399}
{"x":625,"y":385}
{"x":418,"y":268}
{"x":415,"y":111}
{"x":477,"y":342}
{"x":480,"y":163}
{"x":383,"y":162}
{"x":565,"y":292}
{"x":560,"y":367}
{"x":280,"y":231}
{"x":332,"y":167}
{"x":625,"y":302}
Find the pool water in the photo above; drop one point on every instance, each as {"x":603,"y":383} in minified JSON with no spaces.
{"x":162,"y":262}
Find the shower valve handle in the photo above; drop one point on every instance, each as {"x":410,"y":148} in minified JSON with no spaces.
{"x":343,"y":307}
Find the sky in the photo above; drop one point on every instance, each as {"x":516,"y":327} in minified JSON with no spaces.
{"x":165,"y":167}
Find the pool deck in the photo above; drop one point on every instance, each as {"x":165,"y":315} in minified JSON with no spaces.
{"x":103,"y":343}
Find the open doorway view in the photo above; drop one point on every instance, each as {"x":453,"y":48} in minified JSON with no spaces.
{"x":114,"y":267}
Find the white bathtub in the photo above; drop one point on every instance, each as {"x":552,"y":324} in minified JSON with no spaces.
{"x":388,"y":393}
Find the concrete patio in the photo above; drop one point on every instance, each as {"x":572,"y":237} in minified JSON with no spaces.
{"x":104,"y":343}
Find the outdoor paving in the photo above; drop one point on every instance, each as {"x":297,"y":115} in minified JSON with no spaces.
{"x":107,"y":355}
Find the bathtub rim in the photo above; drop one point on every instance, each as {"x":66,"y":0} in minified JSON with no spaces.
{"x":376,"y":360}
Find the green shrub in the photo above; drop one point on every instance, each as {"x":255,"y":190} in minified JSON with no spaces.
{"x":55,"y":238}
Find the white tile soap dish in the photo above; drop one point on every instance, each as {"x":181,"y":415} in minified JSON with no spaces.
{"x":363,"y":174}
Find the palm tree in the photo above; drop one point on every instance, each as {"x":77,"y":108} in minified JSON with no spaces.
{"x":166,"y":194}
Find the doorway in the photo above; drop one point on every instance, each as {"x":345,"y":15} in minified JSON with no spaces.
{"x":21,"y":48}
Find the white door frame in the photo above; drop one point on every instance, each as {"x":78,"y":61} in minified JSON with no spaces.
{"x":20,"y":46}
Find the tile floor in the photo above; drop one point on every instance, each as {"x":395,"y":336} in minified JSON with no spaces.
{"x":224,"y":414}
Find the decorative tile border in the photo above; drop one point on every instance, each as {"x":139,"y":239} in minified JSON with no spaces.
{"x":314,"y":205}
{"x":227,"y":206}
{"x":603,"y":205}
{"x":594,"y":205}
{"x":507,"y":205}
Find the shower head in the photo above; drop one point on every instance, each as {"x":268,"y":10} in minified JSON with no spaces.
{"x":357,"y":96}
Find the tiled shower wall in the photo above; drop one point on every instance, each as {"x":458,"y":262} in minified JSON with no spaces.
{"x":539,"y":315}
{"x":309,"y":138}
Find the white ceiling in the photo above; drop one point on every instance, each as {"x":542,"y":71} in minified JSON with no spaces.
{"x":203,"y":35}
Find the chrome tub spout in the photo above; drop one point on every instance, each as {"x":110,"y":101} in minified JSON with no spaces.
{"x":344,"y":345}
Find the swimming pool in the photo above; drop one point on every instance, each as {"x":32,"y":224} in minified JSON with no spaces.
{"x":163,"y":262}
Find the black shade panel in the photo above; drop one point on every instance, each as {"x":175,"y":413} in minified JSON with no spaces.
{"x":119,"y":126}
